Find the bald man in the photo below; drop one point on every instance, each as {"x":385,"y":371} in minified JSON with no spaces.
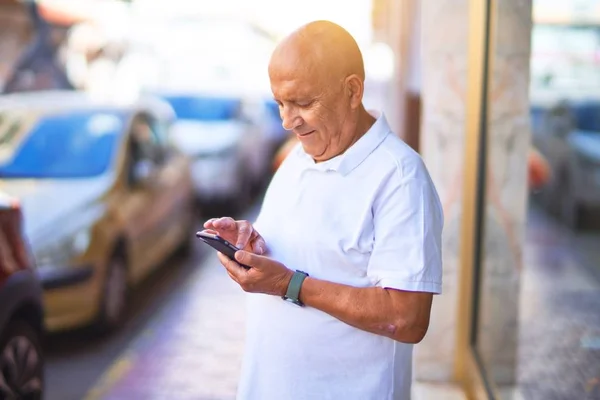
{"x":349,"y":234}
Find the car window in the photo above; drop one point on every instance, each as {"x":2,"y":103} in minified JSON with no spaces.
{"x":205,"y":108}
{"x":148,"y":140}
{"x":73,"y":144}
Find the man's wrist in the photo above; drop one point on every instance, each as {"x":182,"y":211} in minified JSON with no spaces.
{"x":285,"y":282}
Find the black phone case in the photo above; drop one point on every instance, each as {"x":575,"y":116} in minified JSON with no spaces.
{"x":220,"y":244}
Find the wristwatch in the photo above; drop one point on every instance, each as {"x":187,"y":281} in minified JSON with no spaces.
{"x":293,"y":290}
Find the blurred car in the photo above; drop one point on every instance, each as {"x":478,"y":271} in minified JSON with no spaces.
{"x":223,"y":137}
{"x":21,"y":311}
{"x":213,"y":70}
{"x":106,"y":199}
{"x":568,"y":136}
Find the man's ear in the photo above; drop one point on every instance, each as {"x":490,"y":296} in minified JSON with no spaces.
{"x":354,"y":90}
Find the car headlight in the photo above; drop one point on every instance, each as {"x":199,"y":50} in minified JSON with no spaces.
{"x":60,"y":253}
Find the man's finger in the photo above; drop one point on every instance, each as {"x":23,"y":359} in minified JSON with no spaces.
{"x":233,"y":277}
{"x":259,"y":246}
{"x":225,"y":223}
{"x":231,"y":266}
{"x":209,"y":224}
{"x":244,"y":232}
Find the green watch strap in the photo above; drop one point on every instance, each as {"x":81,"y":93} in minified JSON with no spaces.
{"x":293,"y":290}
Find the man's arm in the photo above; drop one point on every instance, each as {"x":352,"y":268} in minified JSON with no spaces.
{"x":405,"y":262}
{"x":399,"y":315}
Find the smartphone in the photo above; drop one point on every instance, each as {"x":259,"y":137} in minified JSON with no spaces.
{"x":219,"y":244}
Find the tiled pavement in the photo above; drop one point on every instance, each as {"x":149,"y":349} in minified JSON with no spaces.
{"x":559,"y":356}
{"x":192,"y":347}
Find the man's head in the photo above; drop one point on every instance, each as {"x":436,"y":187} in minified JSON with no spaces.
{"x":317,"y":78}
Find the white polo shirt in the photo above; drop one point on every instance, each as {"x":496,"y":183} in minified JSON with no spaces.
{"x":369,"y":217}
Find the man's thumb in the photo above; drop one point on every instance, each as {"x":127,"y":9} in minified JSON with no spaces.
{"x":247,"y":258}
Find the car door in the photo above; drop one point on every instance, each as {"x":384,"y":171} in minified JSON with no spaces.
{"x":157,"y":210}
{"x":174,"y":193}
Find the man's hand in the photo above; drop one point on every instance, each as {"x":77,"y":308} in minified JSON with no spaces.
{"x":265,"y":275}
{"x":242,"y":233}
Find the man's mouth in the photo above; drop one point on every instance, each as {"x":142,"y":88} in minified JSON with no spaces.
{"x":304,"y":134}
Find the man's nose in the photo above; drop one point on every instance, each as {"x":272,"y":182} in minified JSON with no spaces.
{"x":289,"y":118}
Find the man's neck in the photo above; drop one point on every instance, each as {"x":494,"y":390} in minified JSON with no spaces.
{"x":364,"y":122}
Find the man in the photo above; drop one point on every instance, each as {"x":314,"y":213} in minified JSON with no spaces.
{"x":355,"y":209}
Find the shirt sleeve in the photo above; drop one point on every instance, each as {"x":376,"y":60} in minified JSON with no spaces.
{"x":408,"y":222}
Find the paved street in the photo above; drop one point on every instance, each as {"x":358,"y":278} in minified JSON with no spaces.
{"x":185,"y":337}
{"x":559,"y":355}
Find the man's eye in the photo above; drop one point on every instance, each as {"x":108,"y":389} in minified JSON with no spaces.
{"x":304,"y":104}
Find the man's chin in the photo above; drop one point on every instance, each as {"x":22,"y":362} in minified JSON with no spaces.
{"x":313,"y":151}
{"x":308,"y":149}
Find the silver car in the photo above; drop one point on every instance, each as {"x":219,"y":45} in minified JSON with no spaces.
{"x":225,"y":138}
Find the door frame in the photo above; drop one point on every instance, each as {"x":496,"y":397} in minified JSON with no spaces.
{"x":469,"y":369}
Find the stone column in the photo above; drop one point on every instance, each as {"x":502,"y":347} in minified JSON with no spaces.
{"x":443,"y":84}
{"x":445,"y":25}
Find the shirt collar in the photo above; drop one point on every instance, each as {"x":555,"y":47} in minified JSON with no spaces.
{"x":358,"y":152}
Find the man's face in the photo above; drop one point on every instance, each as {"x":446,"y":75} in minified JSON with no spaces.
{"x":312,"y":106}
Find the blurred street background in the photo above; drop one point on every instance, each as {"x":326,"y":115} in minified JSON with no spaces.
{"x":126,"y":124}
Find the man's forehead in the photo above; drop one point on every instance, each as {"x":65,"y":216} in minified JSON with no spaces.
{"x":293,"y":89}
{"x":300,"y":76}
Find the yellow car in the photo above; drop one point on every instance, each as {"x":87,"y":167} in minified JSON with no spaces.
{"x":105,"y":197}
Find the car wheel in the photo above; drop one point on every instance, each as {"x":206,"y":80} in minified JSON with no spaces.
{"x":114,"y":295}
{"x":21,"y":363}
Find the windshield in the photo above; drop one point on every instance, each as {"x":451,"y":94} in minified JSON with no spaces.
{"x":204,"y":108}
{"x":76,"y":144}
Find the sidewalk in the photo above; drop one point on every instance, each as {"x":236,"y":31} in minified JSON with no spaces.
{"x":559,"y":355}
